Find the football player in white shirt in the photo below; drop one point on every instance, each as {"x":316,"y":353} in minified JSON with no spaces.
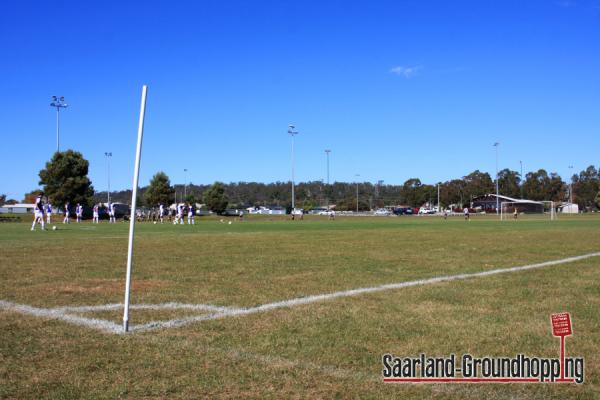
{"x":79,"y":212}
{"x":95,"y":215}
{"x":161,"y":213}
{"x":111,"y":213}
{"x":66,"y":219}
{"x":38,"y":212}
{"x":190,"y":216}
{"x":48,"y":213}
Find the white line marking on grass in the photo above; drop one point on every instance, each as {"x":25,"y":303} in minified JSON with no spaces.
{"x":218,"y":312}
{"x":99,"y":324}
{"x":353,"y":292}
{"x":162,"y":306}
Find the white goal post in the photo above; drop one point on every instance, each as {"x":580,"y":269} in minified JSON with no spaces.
{"x":543,"y":208}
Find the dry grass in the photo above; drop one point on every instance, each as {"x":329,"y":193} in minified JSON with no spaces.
{"x":324,"y":350}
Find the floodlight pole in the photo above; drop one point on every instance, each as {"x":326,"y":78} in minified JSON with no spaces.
{"x":58,"y":102}
{"x":327,"y":152}
{"x":136,"y":174}
{"x":184,"y":184}
{"x":497,"y":187}
{"x":571,"y":188}
{"x":521,"y":162}
{"x":357,"y":175}
{"x":108,"y":155}
{"x":292,"y":133}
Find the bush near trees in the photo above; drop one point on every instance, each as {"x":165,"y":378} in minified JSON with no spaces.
{"x":65,"y":179}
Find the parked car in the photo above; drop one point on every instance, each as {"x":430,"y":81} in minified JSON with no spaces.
{"x":403,"y":211}
{"x":297,"y":211}
{"x":382,"y":211}
{"x":425,"y":211}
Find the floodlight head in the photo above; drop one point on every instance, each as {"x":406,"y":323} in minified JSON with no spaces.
{"x":62,"y":98}
{"x":291,"y":127}
{"x":54,"y":98}
{"x":496,"y":144}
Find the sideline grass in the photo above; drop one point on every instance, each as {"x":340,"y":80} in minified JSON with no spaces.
{"x":330,"y":349}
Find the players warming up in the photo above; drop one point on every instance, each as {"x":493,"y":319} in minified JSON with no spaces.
{"x":48,"y":213}
{"x":38,"y":212}
{"x":111,"y":213}
{"x":66,"y":219}
{"x":467,"y":215}
{"x":191,"y":211}
{"x":95,"y":214}
{"x":79,"y":212}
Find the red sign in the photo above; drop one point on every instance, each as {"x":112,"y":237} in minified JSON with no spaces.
{"x":561,"y":324}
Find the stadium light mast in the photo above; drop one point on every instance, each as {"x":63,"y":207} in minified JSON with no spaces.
{"x":184,"y":184}
{"x":108,"y":155}
{"x":357,"y":175}
{"x":497,"y":187}
{"x":521,"y":162}
{"x":293,"y":133}
{"x":327,"y":152}
{"x":58,"y":102}
{"x":571,"y":188}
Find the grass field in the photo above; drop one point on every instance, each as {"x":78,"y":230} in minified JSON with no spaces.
{"x":324,"y":349}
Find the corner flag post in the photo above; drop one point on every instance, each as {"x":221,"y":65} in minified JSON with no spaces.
{"x":136,"y":173}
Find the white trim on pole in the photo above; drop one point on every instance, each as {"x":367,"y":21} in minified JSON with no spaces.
{"x":136,"y":173}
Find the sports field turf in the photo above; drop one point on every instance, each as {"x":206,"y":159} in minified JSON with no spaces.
{"x":322,"y":349}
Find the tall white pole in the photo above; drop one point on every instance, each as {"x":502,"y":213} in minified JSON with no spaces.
{"x":497,"y":187}
{"x":292,"y":133}
{"x":136,"y":173}
{"x":571,"y":188}
{"x":57,"y":129}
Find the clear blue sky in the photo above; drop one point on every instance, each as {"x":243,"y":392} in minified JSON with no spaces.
{"x":396,"y":89}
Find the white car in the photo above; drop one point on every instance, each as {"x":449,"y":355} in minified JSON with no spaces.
{"x":382,"y":211}
{"x":297,"y":211}
{"x":423,"y":211}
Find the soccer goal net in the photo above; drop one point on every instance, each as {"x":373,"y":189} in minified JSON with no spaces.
{"x":539,"y":209}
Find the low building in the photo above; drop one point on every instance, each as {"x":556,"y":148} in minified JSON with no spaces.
{"x":569,"y":208}
{"x":487,"y":203}
{"x":19,"y":208}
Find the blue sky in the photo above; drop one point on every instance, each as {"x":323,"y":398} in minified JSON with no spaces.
{"x":396,"y":89}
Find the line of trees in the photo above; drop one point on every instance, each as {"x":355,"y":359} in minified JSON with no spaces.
{"x":64,"y":178}
{"x":537,"y":185}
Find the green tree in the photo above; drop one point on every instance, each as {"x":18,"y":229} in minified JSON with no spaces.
{"x":597,"y":200}
{"x":413,"y":192}
{"x":541,"y":186}
{"x":159,"y":190}
{"x":477,"y":183}
{"x":586,"y":186}
{"x":509,"y":183}
{"x":65,"y":178}
{"x":31,"y":196}
{"x":2,"y":198}
{"x":215,"y":198}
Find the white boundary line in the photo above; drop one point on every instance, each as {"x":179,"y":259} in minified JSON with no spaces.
{"x":217,"y":312}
